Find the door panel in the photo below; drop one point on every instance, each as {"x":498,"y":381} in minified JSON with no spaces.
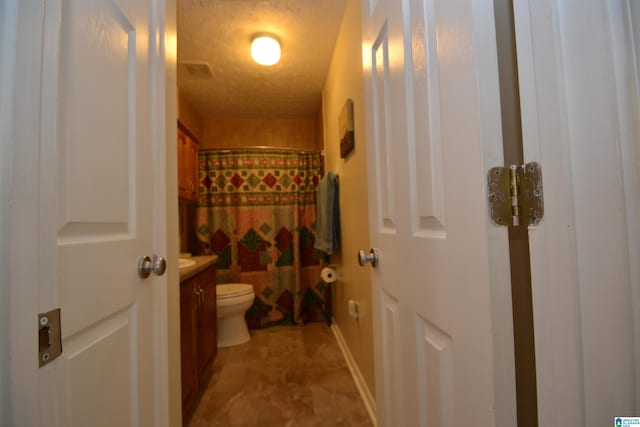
{"x":97,"y":70}
{"x":429,"y":132}
{"x":426,"y":169}
{"x":579,"y":102}
{"x":392,"y":360}
{"x":383,"y":145}
{"x":98,"y":133}
{"x":435,"y":374}
{"x":115,"y":397}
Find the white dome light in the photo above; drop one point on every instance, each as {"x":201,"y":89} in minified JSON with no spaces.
{"x":265,"y":50}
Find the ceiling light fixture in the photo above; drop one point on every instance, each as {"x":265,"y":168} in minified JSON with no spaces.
{"x":265,"y":49}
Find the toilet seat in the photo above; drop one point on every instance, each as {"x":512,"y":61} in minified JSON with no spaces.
{"x":233,"y":290}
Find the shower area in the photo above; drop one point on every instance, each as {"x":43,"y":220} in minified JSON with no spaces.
{"x":256,"y":210}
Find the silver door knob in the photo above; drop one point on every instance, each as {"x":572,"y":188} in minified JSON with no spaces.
{"x":373,"y":257}
{"x":146,"y":266}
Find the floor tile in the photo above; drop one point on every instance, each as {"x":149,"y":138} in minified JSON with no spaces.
{"x":285,"y":376}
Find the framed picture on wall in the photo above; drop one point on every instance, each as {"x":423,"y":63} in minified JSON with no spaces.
{"x":345,"y":127}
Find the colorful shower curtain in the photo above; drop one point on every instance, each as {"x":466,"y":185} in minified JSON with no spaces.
{"x":257,"y":213}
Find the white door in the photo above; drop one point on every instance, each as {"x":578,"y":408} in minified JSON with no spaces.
{"x":578,"y":75}
{"x":442,"y":322}
{"x":93,"y":197}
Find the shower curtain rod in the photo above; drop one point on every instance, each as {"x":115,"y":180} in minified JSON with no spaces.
{"x":262,"y":148}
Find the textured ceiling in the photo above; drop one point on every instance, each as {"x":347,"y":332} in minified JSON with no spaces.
{"x":218,"y":32}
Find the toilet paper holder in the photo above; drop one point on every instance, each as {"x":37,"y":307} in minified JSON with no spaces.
{"x":329,"y":274}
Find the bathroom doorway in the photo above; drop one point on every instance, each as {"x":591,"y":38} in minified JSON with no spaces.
{"x":229,"y":102}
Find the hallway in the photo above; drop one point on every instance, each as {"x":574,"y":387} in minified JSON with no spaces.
{"x":285,"y":376}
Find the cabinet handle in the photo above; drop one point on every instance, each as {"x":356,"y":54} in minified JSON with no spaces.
{"x":200,"y":293}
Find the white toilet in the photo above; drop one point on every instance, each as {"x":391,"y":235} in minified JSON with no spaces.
{"x":232,"y":301}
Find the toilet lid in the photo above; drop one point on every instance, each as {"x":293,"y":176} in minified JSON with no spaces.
{"x":232,"y":290}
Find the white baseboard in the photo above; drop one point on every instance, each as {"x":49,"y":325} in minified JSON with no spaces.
{"x":365,"y":393}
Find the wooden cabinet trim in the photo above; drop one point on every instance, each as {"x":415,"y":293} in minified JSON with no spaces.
{"x":186,"y":130}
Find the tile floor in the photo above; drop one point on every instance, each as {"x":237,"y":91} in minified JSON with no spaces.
{"x":285,"y":376}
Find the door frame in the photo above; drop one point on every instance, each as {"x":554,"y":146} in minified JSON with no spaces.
{"x":28,"y":387}
{"x":24,"y":288}
{"x":8,"y":31}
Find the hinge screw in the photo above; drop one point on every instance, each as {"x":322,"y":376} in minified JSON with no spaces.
{"x":44,"y":320}
{"x":45,"y":357}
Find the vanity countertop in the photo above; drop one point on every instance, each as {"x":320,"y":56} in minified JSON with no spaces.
{"x":202,"y":262}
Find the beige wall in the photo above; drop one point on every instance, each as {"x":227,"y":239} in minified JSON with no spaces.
{"x":344,"y":80}
{"x":189,"y":117}
{"x":280,"y":133}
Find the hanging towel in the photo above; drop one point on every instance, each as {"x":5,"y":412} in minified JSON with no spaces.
{"x":328,"y":214}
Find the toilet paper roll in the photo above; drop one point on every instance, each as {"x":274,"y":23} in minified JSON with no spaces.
{"x":329,"y":275}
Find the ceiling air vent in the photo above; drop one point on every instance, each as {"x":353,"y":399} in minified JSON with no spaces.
{"x":200,"y":70}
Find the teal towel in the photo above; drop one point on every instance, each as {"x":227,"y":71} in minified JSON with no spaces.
{"x":328,"y":214}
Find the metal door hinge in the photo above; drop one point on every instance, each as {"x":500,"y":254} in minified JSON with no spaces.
{"x":515,"y":195}
{"x":49,"y":336}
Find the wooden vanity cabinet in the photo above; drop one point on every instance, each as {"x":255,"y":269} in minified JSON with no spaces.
{"x":198,"y":329}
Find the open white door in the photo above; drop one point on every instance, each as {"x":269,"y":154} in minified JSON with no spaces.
{"x":442,"y":306}
{"x":578,"y":71}
{"x":90,"y":72}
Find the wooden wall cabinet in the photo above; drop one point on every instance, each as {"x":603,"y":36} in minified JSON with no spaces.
{"x":187,"y":164}
{"x":198,"y":332}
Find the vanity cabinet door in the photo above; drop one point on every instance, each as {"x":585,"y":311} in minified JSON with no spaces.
{"x":188,"y":344}
{"x":207,"y":325}
{"x":187,"y":166}
{"x":192,"y":170}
